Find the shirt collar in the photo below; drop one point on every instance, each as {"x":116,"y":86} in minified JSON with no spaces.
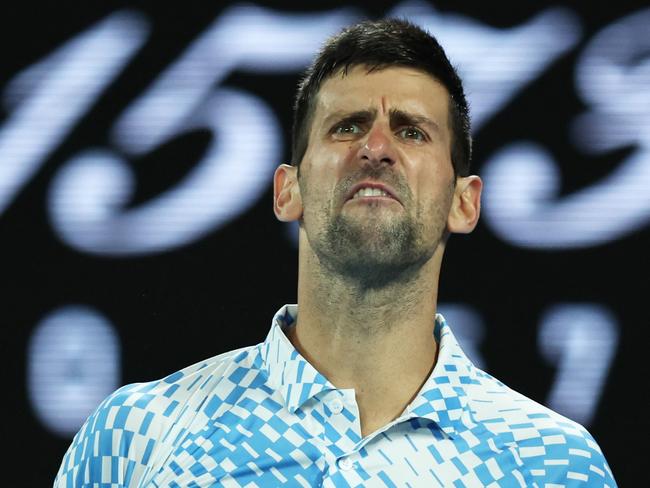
{"x":289,"y":373}
{"x":442,"y":398}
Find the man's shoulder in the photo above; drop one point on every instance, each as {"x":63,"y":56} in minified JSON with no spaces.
{"x":550,"y":445}
{"x":187,"y":386}
{"x":494,"y":402}
{"x":142,"y":422}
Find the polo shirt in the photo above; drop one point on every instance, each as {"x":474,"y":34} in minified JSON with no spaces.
{"x":263,"y":416}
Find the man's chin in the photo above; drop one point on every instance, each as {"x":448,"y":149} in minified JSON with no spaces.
{"x":373,"y":272}
{"x":371,"y":228}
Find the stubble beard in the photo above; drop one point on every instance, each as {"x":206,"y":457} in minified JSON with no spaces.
{"x":374,"y":254}
{"x":378,"y":252}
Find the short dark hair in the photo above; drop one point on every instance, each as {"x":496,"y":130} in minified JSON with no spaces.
{"x":381,"y":44}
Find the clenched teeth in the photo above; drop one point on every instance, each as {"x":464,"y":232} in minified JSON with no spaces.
{"x":370,"y":192}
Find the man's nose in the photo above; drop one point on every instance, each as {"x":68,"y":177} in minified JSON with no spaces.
{"x":377,"y":147}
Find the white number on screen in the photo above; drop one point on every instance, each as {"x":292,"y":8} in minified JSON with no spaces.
{"x":73,"y":363}
{"x":580,"y":341}
{"x":522,"y":181}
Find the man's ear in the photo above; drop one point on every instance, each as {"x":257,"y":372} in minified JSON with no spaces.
{"x":466,"y":205}
{"x":287,"y":201}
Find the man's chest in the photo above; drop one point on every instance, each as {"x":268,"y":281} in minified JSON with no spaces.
{"x":275,"y":452}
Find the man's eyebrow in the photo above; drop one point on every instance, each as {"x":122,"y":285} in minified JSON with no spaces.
{"x":356,"y":116}
{"x":400,"y":118}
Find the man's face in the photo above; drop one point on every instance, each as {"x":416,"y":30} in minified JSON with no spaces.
{"x":376,"y":180}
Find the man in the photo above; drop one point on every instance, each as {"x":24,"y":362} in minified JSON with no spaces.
{"x":361,"y":384}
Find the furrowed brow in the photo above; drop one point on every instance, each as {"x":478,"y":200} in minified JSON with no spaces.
{"x":358,"y":116}
{"x":400,"y":118}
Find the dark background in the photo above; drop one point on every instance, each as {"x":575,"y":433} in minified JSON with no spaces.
{"x":176,"y":307}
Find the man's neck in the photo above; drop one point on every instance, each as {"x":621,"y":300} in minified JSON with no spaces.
{"x":378,"y":342}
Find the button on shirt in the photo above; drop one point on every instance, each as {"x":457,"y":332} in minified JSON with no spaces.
{"x":262,"y":416}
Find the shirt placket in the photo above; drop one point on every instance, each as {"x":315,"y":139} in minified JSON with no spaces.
{"x":341,"y":438}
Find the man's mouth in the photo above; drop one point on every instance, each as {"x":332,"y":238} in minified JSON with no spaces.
{"x":371,"y":190}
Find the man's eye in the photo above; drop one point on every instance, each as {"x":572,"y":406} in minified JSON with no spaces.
{"x":347,"y":128}
{"x":412,"y":133}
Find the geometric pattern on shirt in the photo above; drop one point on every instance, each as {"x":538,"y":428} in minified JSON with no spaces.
{"x":263,"y":416}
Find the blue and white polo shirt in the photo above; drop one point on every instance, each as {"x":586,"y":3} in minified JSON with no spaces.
{"x":263,"y":416}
